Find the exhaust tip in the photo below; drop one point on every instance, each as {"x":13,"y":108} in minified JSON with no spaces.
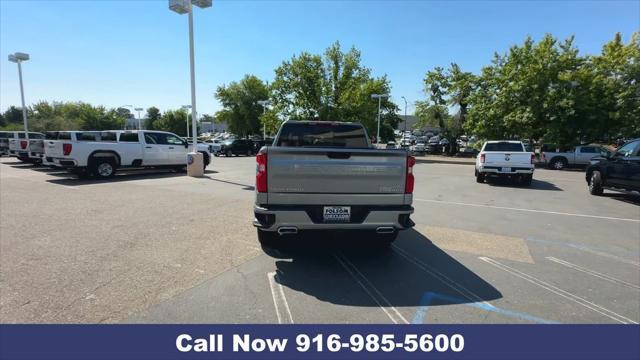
{"x":287,"y":230}
{"x":385,"y":230}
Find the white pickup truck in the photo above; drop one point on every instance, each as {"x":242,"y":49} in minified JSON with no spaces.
{"x":20,"y":147}
{"x":101,"y":153}
{"x":505,"y":159}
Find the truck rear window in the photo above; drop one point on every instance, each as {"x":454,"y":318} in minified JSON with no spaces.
{"x":322,"y":135}
{"x":504,"y":147}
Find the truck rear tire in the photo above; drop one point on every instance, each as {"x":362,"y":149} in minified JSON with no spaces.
{"x":385,"y":240}
{"x":479,"y":177}
{"x":527,"y":179}
{"x":268,"y":238}
{"x":595,"y":183}
{"x":105,"y":168}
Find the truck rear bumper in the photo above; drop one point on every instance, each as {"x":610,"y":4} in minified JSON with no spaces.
{"x":62,"y":162}
{"x":497,"y":170}
{"x":309,"y":217}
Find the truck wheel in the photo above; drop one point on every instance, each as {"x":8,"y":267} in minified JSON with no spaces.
{"x":527,"y":180}
{"x":479,"y":177}
{"x":268,"y":238}
{"x":385,"y":240}
{"x":105,"y":168}
{"x":595,"y":183}
{"x":558,"y":164}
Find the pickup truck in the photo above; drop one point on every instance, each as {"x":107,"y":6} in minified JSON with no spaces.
{"x":578,"y":156}
{"x":20,"y":147}
{"x":505,"y":159}
{"x":101,"y":153}
{"x":617,"y":171}
{"x":327,"y":176}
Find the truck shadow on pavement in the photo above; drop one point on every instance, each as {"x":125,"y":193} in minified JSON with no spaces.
{"x":337,"y":268}
{"x":67,"y":179}
{"x":633,"y":199}
{"x":535,"y":184}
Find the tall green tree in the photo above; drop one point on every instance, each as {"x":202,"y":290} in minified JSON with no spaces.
{"x":153,"y":115}
{"x":332,"y":86}
{"x":174,"y":121}
{"x":240,"y":108}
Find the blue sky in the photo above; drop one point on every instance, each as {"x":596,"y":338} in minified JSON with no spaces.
{"x":136,"y":52}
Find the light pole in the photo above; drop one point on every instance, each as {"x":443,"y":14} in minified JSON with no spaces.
{"x":139,"y":124}
{"x":18,"y":58}
{"x":187,"y":107}
{"x":405,"y":115}
{"x":379,"y":97}
{"x":264,"y":104}
{"x":186,"y":7}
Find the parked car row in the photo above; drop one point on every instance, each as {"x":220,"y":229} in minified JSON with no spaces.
{"x":102,"y":153}
{"x":618,"y":170}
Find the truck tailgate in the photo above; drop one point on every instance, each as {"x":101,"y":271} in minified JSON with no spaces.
{"x":36,"y":146}
{"x":506,"y":159}
{"x":53,"y":148}
{"x":300,"y":170}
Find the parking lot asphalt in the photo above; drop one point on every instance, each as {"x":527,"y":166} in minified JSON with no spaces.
{"x":160,"y":247}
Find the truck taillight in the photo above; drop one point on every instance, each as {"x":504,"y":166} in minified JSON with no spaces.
{"x":410,"y":179}
{"x":66,"y":149}
{"x":543,"y":157}
{"x":261,"y":172}
{"x":533,"y":158}
{"x":481,"y":158}
{"x":23,"y":144}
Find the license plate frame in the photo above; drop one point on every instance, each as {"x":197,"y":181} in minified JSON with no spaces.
{"x":336,"y":214}
{"x":505,"y":169}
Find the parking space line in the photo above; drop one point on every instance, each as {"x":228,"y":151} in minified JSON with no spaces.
{"x":279,"y":300}
{"x":468,"y":294}
{"x":592,"y":272}
{"x":556,"y":290}
{"x":586,"y":249}
{"x":371,"y":290}
{"x":529,"y":210}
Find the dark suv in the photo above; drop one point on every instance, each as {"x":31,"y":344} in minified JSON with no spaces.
{"x":618,"y":171}
{"x":237,"y":147}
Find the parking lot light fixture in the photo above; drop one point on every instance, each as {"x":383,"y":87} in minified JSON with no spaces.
{"x":18,"y":58}
{"x":139,"y":123}
{"x":405,"y":115}
{"x":186,"y":7}
{"x":264,"y":104}
{"x":379,"y":97}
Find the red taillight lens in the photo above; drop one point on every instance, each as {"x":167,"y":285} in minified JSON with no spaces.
{"x":23,"y":144}
{"x":410,"y":179}
{"x":544,"y":157}
{"x":481,"y":158}
{"x":261,"y":172}
{"x":533,"y":158}
{"x":66,"y":149}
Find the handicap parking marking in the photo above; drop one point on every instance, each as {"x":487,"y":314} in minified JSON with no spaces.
{"x":602,"y":276}
{"x":283,"y":313}
{"x":429,"y":297}
{"x":560,"y":292}
{"x":368,"y":287}
{"x":529,"y":210}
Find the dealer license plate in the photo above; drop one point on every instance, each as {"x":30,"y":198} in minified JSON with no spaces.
{"x":337,"y":213}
